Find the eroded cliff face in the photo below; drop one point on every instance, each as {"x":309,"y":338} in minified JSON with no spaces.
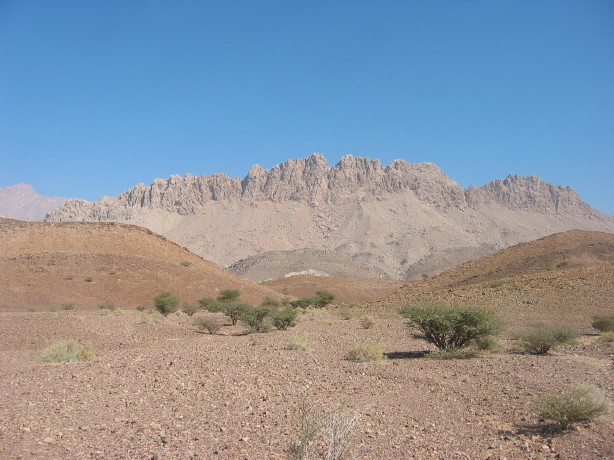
{"x":311,"y":180}
{"x":403,"y":220}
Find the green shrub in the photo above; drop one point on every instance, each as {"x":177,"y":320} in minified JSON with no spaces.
{"x":365,"y":352}
{"x":541,"y":339}
{"x":235,"y":311}
{"x":367,"y":321}
{"x":604,"y":323}
{"x":66,"y":351}
{"x":255,"y":318}
{"x":607,"y":337}
{"x":575,"y":404}
{"x":140,"y":308}
{"x":283,"y":319}
{"x":152,"y":317}
{"x":189,"y":309}
{"x":299,"y":342}
{"x":67,"y":306}
{"x":450,"y":328}
{"x":303,"y":302}
{"x":268,"y":302}
{"x":210,"y":304}
{"x":229,"y":295}
{"x":166,"y":303}
{"x":323,"y":298}
{"x":487,"y":344}
{"x":208,"y":325}
{"x":186,"y":264}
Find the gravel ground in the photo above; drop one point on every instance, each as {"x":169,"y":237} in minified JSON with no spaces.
{"x":168,"y":391}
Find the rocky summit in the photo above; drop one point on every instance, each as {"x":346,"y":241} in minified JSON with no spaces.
{"x":356,"y":218}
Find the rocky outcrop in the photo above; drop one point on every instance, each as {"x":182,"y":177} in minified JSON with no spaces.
{"x":22,"y":202}
{"x":312,"y":181}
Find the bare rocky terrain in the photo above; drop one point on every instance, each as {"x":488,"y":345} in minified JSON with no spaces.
{"x":22,"y":202}
{"x":354,"y":219}
{"x":168,"y":391}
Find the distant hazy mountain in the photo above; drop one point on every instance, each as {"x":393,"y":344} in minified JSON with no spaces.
{"x":22,"y":202}
{"x":357,"y":218}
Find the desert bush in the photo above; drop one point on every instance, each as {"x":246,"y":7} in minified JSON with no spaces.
{"x":67,"y":306}
{"x":268,"y":302}
{"x":607,"y":337}
{"x":166,"y":303}
{"x":152,"y":317}
{"x":323,"y":435}
{"x":255,"y":318}
{"x":285,"y":318}
{"x":575,"y":404}
{"x":210,"y":304}
{"x":186,"y":264}
{"x":299,"y":342}
{"x":367,"y":321}
{"x":140,"y":308}
{"x":487,"y":344}
{"x":542,"y":338}
{"x":107,"y":306}
{"x":189,"y":309}
{"x":235,"y":311}
{"x":366,"y":352}
{"x":345,"y":313}
{"x":450,"y":328}
{"x":204,"y":324}
{"x":303,"y":302}
{"x":66,"y":351}
{"x":323,"y":298}
{"x":89,"y":279}
{"x":604,"y":323}
{"x":229,"y":295}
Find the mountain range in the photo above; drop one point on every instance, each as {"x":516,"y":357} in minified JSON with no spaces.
{"x":356,"y":218}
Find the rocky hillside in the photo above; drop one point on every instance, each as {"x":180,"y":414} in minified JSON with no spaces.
{"x":567,"y":278}
{"x":22,"y":202}
{"x":44,"y":265}
{"x":357,"y":218}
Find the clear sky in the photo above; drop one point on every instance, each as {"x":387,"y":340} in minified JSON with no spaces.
{"x":97,"y":96}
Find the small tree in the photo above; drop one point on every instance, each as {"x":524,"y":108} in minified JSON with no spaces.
{"x":450,"y":328}
{"x":283,"y":319}
{"x":255,"y":318}
{"x":303,"y":302}
{"x":235,"y":311}
{"x":166,"y":303}
{"x":229,"y":295}
{"x":210,"y":304}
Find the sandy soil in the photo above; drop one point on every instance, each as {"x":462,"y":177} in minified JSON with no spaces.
{"x":167,"y":391}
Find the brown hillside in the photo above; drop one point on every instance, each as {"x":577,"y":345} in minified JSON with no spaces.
{"x":567,"y":277}
{"x":43,"y":265}
{"x":344,"y":289}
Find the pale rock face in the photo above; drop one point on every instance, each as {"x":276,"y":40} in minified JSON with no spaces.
{"x":23,"y":203}
{"x":359,"y":217}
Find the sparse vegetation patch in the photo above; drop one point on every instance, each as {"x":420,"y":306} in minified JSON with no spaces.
{"x":66,"y":351}
{"x":366,"y":352}
{"x":604,"y":323}
{"x":542,"y":338}
{"x":575,"y":404}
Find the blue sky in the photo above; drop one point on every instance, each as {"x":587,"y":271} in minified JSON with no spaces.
{"x":97,"y":96}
